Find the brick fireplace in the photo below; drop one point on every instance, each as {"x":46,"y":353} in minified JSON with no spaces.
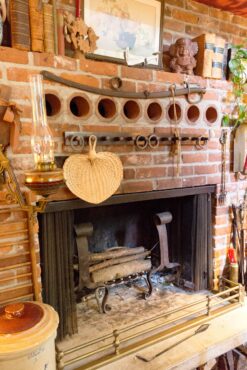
{"x":188,"y":234}
{"x":144,"y":170}
{"x":148,"y":170}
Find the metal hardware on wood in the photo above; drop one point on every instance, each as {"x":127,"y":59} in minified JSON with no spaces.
{"x":78,"y":140}
{"x":123,"y":94}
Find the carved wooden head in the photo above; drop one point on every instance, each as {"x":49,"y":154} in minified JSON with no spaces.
{"x":183,"y":47}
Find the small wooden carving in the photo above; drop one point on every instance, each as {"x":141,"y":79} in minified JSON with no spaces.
{"x":77,"y":33}
{"x":182,"y":53}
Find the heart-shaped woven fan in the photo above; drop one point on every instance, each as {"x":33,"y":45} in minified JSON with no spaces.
{"x":93,"y":177}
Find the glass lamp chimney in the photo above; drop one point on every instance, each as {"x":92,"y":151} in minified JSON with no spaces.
{"x":41,"y":140}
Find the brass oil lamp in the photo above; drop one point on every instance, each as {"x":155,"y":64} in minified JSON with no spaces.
{"x":46,"y":178}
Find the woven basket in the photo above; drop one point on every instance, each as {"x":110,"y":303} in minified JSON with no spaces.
{"x":93,"y":177}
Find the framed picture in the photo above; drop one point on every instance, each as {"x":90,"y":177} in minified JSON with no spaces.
{"x":130,"y":31}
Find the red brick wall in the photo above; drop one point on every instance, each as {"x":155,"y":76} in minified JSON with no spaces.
{"x":189,"y":18}
{"x":143,"y":170}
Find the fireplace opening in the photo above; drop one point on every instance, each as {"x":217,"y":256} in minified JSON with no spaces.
{"x":124,"y":221}
{"x":133,"y":225}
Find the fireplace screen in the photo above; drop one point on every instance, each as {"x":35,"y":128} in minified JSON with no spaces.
{"x":129,"y":223}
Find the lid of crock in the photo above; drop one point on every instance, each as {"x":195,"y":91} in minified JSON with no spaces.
{"x":18,"y":317}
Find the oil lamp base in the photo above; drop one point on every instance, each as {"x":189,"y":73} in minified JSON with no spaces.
{"x":44,"y":182}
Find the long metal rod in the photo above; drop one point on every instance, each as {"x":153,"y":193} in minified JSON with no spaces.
{"x":163,"y":315}
{"x":91,"y":353}
{"x":122,"y":94}
{"x":203,"y":300}
{"x":82,"y":346}
{"x":228,"y":281}
{"x":227,"y":299}
{"x":159,"y":325}
{"x":228,"y":290}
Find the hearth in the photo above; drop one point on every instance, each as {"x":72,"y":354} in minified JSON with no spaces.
{"x":126,"y":221}
{"x":134,"y":325}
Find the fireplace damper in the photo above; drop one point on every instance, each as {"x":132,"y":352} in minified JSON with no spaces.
{"x":124,"y":220}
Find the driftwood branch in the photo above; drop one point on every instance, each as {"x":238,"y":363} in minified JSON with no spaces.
{"x":116,"y":261}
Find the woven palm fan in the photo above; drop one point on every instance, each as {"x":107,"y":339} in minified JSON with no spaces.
{"x":93,"y":177}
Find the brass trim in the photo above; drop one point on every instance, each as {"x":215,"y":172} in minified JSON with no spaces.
{"x":234,"y":295}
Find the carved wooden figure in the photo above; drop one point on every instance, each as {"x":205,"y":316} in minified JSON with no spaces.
{"x":82,"y":37}
{"x":182,"y":53}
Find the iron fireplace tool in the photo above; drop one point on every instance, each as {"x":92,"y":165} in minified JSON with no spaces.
{"x":222,"y":195}
{"x":201,"y":329}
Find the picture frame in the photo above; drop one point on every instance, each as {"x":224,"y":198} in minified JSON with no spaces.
{"x":129,"y":31}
